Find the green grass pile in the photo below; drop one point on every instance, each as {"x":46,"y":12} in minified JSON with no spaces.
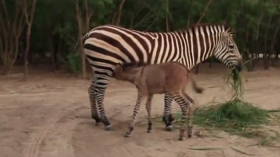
{"x":234,"y":116}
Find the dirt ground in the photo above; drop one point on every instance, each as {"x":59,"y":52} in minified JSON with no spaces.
{"x":48,"y":116}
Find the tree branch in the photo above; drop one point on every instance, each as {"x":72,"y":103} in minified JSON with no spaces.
{"x":205,"y":10}
{"x":6,"y":12}
{"x":120,"y":12}
{"x":89,"y":14}
{"x":145,"y":18}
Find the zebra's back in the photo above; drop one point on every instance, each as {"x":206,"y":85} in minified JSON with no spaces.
{"x":112,"y":44}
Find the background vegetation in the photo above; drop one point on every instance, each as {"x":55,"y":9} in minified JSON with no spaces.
{"x":48,"y":31}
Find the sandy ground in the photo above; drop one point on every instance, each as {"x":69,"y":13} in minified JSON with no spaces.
{"x":48,"y":116}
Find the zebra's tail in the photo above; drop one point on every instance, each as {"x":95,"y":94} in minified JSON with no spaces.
{"x":83,"y":38}
{"x":94,"y":79}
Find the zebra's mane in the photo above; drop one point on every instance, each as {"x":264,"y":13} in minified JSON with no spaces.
{"x":226,"y":27}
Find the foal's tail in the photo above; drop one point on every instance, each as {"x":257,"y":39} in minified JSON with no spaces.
{"x":195,"y":87}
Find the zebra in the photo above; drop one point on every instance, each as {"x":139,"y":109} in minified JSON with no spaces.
{"x":108,"y":45}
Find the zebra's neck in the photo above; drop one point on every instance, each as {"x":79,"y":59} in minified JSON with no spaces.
{"x":200,"y":45}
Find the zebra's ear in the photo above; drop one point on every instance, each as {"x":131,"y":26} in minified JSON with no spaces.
{"x":226,"y":35}
{"x":118,"y":65}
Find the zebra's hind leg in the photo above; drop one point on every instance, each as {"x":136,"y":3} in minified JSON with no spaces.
{"x":167,"y":114}
{"x":149,"y":108}
{"x":100,"y":84}
{"x":184,"y":105}
{"x":99,"y":97}
{"x":94,"y":112}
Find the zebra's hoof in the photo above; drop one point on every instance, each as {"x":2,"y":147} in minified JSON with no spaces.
{"x":108,"y":128}
{"x":189,"y":136}
{"x":149,"y":131}
{"x":127,"y":135}
{"x":169,"y":128}
{"x":181,"y":138}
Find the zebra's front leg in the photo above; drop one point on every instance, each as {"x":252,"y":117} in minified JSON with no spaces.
{"x":149,"y":109}
{"x":167,"y":114}
{"x":134,"y":116}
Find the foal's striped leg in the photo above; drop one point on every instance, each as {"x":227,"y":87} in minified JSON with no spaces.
{"x":149,"y":109}
{"x":135,"y":113}
{"x":167,"y":113}
{"x":190,"y":121}
{"x":184,"y":105}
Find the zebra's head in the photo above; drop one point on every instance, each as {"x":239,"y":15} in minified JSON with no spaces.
{"x":227,"y":52}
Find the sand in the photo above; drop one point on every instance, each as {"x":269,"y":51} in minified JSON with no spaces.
{"x":49,"y":116}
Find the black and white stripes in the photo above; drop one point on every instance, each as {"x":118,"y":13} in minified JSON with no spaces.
{"x":107,"y":45}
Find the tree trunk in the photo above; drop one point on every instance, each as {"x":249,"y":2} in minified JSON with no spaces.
{"x":28,"y":33}
{"x":205,"y":10}
{"x":29,"y":21}
{"x":274,"y":40}
{"x":55,"y":55}
{"x":190,"y":13}
{"x":51,"y":61}
{"x":266,"y":51}
{"x":11,"y":29}
{"x":200,"y":19}
{"x":80,"y":30}
{"x":167,"y":16}
{"x":119,"y":14}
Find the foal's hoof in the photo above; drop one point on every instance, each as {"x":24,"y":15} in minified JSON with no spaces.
{"x":97,"y":119}
{"x":181,"y":138}
{"x":97,"y":123}
{"x":127,"y":135}
{"x":108,"y":128}
{"x":169,"y":128}
{"x":171,"y":118}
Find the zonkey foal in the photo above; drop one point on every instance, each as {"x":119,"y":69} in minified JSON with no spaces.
{"x":171,"y":78}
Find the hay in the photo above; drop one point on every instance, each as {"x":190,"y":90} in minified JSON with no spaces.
{"x":234,"y":116}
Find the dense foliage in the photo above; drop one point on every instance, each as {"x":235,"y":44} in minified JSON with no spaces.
{"x":57,"y":25}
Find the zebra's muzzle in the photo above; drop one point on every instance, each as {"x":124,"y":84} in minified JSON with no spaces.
{"x":239,"y":66}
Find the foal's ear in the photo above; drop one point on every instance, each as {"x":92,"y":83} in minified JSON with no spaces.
{"x":118,"y":66}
